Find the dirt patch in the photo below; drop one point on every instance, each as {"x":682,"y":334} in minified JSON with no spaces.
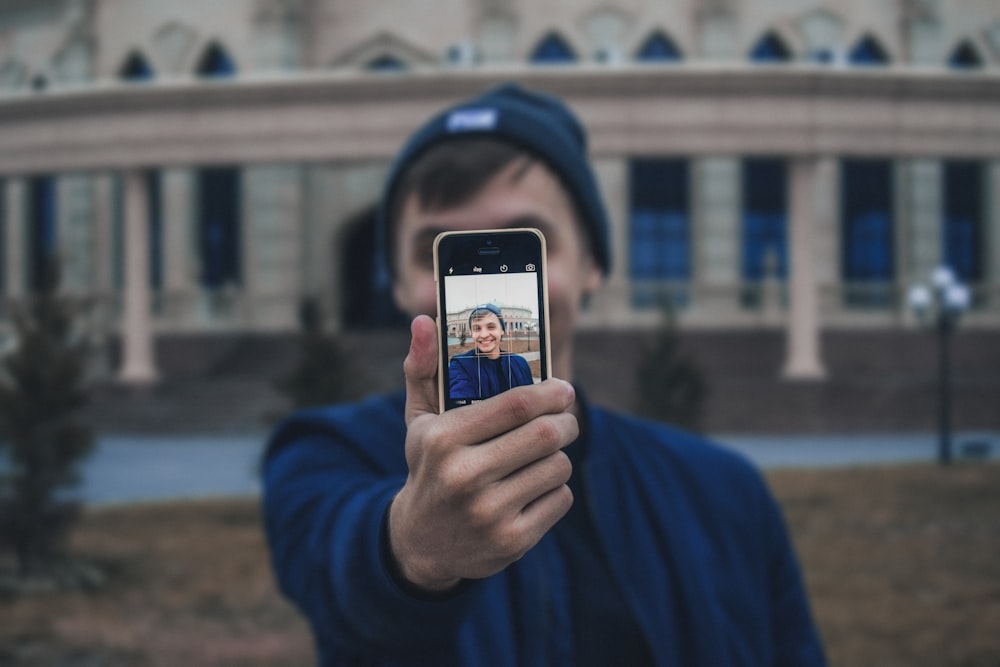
{"x":901,"y":563}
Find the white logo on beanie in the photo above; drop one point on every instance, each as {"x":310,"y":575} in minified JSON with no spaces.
{"x":466,"y":120}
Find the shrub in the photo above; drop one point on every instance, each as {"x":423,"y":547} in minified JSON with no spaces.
{"x":671,"y":386}
{"x":41,"y":393}
{"x":324,"y":371}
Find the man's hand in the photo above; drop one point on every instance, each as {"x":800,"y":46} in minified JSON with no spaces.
{"x":486,"y":481}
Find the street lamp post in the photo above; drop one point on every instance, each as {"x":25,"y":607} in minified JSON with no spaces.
{"x":943,"y":300}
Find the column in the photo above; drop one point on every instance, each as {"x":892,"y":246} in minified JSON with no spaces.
{"x":610,"y":303}
{"x":180,"y":249}
{"x":802,"y":361}
{"x":717,"y":218}
{"x":14,"y":217}
{"x":918,"y":223}
{"x":138,"y":366}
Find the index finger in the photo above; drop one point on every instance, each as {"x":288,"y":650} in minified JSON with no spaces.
{"x":506,"y":411}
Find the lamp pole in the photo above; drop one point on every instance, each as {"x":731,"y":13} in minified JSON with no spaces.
{"x":944,"y":299}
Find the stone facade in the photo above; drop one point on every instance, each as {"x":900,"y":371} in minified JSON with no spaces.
{"x":319,"y":94}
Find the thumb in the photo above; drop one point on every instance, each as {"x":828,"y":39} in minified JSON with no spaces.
{"x":420,"y":369}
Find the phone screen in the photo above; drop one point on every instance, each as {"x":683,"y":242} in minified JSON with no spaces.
{"x":492,"y":313}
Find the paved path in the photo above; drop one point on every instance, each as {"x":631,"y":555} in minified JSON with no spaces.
{"x":147,"y":468}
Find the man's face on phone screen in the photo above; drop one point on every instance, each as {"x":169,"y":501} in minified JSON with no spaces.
{"x":487,"y":333}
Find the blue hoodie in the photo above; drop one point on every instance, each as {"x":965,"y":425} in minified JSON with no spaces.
{"x":698,"y":549}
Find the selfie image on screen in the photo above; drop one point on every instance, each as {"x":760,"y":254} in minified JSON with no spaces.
{"x":492,"y":328}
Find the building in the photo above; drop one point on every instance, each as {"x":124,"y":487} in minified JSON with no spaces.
{"x":775,"y":166}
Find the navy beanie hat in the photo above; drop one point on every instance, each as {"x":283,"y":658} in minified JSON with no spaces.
{"x":540,"y":124}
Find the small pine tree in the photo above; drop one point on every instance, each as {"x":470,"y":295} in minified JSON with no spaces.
{"x":324,"y":372}
{"x":672,"y":388}
{"x":41,"y":393}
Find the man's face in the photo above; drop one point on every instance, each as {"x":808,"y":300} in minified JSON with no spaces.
{"x":487,"y":333}
{"x":515,"y":197}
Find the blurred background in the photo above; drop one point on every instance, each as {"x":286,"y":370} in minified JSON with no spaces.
{"x":779,"y":174}
{"x":805,"y":200}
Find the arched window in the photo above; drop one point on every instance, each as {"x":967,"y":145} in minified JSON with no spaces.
{"x":135,"y":68}
{"x":868,"y":52}
{"x":770,"y":49}
{"x":385,"y":63}
{"x":965,"y":56}
{"x":215,"y":62}
{"x":552,"y":49}
{"x":658,"y":48}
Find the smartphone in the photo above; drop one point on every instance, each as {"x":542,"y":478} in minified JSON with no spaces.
{"x":493,"y":313}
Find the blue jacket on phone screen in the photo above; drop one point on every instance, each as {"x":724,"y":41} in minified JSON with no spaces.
{"x":472,"y":375}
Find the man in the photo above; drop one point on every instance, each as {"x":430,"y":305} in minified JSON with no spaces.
{"x":486,"y":370}
{"x":530,"y":528}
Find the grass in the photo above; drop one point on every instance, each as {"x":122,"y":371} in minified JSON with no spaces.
{"x":902,"y":563}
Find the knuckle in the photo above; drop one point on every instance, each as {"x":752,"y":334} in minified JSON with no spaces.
{"x":519,"y":405}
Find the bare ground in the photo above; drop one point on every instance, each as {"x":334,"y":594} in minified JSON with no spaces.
{"x":902,"y":563}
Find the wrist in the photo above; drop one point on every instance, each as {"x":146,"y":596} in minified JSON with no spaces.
{"x":399,"y":561}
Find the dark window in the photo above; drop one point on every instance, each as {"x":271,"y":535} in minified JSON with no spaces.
{"x":386,"y":63}
{"x":765,"y":240}
{"x":867,"y":248}
{"x":659,"y":231}
{"x":155,"y":229}
{"x":770,"y":49}
{"x":965,"y":56}
{"x":42,"y":237}
{"x":658,"y":48}
{"x":552,"y":49}
{"x":868,"y":52}
{"x":220,"y":226}
{"x":135,"y":68}
{"x":216,"y":63}
{"x":963,"y":219}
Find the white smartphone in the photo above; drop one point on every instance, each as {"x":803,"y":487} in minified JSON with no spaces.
{"x":493,"y":314}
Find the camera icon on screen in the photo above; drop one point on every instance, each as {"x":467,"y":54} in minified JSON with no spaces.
{"x":529,"y":267}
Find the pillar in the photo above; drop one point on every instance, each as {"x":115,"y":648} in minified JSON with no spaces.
{"x":717,"y":206}
{"x":138,"y":365}
{"x":802,"y":358}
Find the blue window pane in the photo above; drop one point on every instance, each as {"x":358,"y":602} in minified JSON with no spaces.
{"x":659,"y":227}
{"x":658,"y":48}
{"x":965,"y":57}
{"x":868,"y":52}
{"x":866,"y":195}
{"x":155,"y":230}
{"x":770,"y":49}
{"x":216,"y":63}
{"x":552,"y":49}
{"x":136,"y":68}
{"x":42,"y":239}
{"x":765,"y":238}
{"x":963,"y":219}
